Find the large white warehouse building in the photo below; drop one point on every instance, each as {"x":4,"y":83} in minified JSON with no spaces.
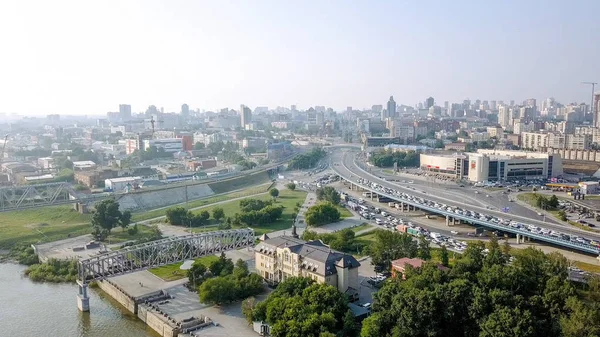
{"x":494,"y":165}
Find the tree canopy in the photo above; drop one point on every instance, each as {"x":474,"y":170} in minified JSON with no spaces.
{"x":300,"y":307}
{"x":307,"y":160}
{"x":484,"y":295}
{"x":321,"y":214}
{"x":107,"y":216}
{"x":328,"y":193}
{"x":387,"y":158}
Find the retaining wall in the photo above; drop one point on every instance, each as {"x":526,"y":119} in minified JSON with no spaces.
{"x":119,"y":295}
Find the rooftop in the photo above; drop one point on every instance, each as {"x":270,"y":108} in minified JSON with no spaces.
{"x":315,"y":255}
{"x":124,"y":179}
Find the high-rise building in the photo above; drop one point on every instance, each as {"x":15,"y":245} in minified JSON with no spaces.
{"x":391,"y":109}
{"x":504,"y":117}
{"x":125,"y":111}
{"x":245,"y":116}
{"x":429,"y":102}
{"x":512,"y":102}
{"x":185,"y":110}
{"x":493,"y":105}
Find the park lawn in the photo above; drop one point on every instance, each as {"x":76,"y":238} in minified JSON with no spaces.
{"x":344,"y":213}
{"x":286,"y":198}
{"x":592,"y":268}
{"x":118,"y":235}
{"x":529,"y":198}
{"x":43,"y":224}
{"x":172,"y":272}
{"x":145,"y":215}
{"x":361,"y":227}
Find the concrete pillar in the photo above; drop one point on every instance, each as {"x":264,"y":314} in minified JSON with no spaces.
{"x":83,"y":301}
{"x":447,"y":220}
{"x":518,"y":237}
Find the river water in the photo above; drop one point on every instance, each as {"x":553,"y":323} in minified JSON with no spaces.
{"x":47,"y":309}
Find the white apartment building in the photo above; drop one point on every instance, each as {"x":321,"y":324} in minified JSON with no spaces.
{"x":534,"y":141}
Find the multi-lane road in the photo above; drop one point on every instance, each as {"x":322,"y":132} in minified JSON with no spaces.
{"x":344,"y":165}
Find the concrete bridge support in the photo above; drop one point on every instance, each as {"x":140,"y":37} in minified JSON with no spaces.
{"x":83,"y":300}
{"x":448,"y":220}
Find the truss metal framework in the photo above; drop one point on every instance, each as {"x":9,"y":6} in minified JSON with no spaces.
{"x":162,"y":252}
{"x":12,"y":198}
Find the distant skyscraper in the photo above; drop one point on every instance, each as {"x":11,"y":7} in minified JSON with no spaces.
{"x":124,"y":111}
{"x":493,"y":105}
{"x":185,"y":110}
{"x":512,"y":102}
{"x":349,"y":109}
{"x":245,"y":115}
{"x":293,"y":108}
{"x":504,"y":117}
{"x":391,"y":109}
{"x":429,"y":102}
{"x":446,"y":105}
{"x":378,"y":108}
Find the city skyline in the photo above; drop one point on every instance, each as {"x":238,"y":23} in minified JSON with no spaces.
{"x":66,"y":59}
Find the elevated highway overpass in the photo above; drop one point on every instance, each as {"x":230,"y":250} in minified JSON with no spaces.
{"x":347,"y":169}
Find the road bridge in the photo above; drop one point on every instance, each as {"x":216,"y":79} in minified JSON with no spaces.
{"x":343,"y":172}
{"x":155,"y":254}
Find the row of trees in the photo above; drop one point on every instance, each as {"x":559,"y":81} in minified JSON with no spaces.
{"x":300,"y":307}
{"x":387,"y":158}
{"x":307,"y":160}
{"x":321,"y":214}
{"x":545,"y":202}
{"x":222,"y":282}
{"x":179,"y":216}
{"x":344,"y":240}
{"x":484,"y":295}
{"x":389,"y":246}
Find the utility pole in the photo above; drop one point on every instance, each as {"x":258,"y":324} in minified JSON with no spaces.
{"x":595,"y":119}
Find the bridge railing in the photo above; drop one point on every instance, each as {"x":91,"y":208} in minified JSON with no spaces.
{"x":162,"y":252}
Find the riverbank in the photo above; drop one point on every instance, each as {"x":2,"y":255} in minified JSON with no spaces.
{"x":49,"y":309}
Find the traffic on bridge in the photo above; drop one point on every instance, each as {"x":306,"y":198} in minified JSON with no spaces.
{"x":522,"y":228}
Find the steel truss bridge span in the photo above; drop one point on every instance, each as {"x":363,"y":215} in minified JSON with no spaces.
{"x":162,"y":252}
{"x":489,"y":224}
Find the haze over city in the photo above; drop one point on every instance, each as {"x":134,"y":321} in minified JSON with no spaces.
{"x":72,"y":57}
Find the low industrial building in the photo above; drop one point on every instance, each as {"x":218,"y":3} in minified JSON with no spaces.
{"x":170,"y":145}
{"x":493,"y":165}
{"x":122,"y":184}
{"x":282,"y":257}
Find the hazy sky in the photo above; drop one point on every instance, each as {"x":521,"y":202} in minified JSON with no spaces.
{"x":86,"y":57}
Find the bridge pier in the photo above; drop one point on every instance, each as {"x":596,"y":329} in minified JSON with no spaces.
{"x":448,"y":220}
{"x":518,"y":238}
{"x":83,"y":301}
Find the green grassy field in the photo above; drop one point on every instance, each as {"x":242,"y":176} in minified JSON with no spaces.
{"x":344,"y":213}
{"x":361,"y":227}
{"x":239,"y":182}
{"x":145,"y":215}
{"x":42,"y":224}
{"x":173,"y":272}
{"x":287,"y":199}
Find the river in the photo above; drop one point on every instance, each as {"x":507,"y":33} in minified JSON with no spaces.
{"x":48,"y":309}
